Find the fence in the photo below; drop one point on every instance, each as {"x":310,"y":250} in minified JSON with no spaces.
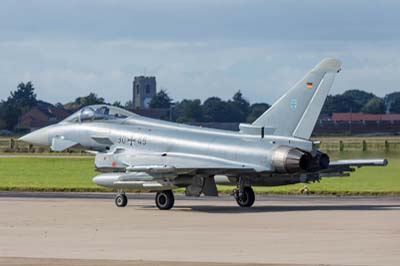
{"x":13,"y":145}
{"x":341,"y":128}
{"x":360,"y":144}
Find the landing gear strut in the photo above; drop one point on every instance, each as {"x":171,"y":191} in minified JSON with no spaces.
{"x":165,"y":199}
{"x":244,"y":195}
{"x":121,"y":200}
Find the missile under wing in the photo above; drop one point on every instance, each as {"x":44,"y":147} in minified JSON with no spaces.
{"x":140,"y":153}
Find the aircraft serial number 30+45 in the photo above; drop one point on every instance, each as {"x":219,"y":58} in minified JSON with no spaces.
{"x":132,"y":140}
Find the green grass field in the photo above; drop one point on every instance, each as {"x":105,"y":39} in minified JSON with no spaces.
{"x":47,"y":174}
{"x":75,"y":174}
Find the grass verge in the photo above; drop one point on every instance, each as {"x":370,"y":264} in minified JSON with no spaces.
{"x":75,"y":175}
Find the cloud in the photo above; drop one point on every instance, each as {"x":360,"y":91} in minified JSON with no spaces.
{"x":196,"y":48}
{"x":238,"y":20}
{"x":63,"y":70}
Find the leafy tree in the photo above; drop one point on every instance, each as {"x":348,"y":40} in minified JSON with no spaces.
{"x":359,"y":97}
{"x":339,"y":104}
{"x":352,"y":101}
{"x":91,"y":99}
{"x":390,"y":99}
{"x":59,"y":105}
{"x":212,"y":110}
{"x":216,"y":110}
{"x":80,"y":102}
{"x":24,"y":96}
{"x":161,"y":100}
{"x":3,"y":124}
{"x":128,"y":105}
{"x":393,"y":96}
{"x":2,"y":110}
{"x":374,"y":106}
{"x":189,"y":111}
{"x":232,"y":112}
{"x":395,"y":106}
{"x":257,"y":109}
{"x":241,"y":103}
{"x":117,"y":104}
{"x":19,"y":101}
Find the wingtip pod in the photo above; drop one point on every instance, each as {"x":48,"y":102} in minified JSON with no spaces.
{"x":328,"y":65}
{"x":361,"y":162}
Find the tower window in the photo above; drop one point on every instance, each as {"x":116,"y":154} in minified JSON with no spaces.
{"x":147,"y":89}
{"x":137,"y":89}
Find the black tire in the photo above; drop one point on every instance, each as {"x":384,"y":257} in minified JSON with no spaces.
{"x":247,"y":199}
{"x":165,"y":199}
{"x":121,"y":200}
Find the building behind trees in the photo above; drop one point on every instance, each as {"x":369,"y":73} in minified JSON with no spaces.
{"x":144,"y":89}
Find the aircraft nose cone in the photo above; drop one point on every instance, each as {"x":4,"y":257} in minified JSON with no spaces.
{"x":38,"y":137}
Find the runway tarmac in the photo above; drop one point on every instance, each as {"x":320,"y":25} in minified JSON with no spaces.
{"x":87,"y":229}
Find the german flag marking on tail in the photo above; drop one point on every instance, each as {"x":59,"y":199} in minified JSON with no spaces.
{"x":309,"y":85}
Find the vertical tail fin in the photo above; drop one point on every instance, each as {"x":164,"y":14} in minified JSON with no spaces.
{"x":297,"y":111}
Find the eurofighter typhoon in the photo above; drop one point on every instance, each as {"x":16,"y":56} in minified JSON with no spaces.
{"x":139,"y":153}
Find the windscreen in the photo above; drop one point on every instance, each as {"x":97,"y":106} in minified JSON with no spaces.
{"x":98,"y":112}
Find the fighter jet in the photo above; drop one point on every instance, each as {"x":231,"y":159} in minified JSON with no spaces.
{"x":140,"y":153}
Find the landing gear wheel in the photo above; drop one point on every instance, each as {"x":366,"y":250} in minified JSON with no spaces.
{"x":246,"y":198}
{"x":121,"y":200}
{"x":165,"y":199}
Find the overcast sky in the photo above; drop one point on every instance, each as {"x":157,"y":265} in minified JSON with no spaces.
{"x":196,"y":49}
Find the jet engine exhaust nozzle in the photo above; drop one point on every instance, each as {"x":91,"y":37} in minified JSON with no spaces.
{"x":323,"y":160}
{"x":289,"y":160}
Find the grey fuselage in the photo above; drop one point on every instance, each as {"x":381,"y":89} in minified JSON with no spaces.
{"x":140,"y":134}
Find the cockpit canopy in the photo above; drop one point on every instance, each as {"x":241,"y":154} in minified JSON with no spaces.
{"x":98,"y":112}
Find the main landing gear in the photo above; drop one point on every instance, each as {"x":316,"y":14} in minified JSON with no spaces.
{"x":121,"y":200}
{"x":164,"y":199}
{"x":244,"y":196}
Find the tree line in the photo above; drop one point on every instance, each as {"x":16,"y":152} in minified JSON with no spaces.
{"x":238,"y":109}
{"x":213,"y":109}
{"x":359,"y":101}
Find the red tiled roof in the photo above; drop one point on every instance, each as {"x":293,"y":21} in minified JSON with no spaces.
{"x":41,"y":115}
{"x":364,"y":117}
